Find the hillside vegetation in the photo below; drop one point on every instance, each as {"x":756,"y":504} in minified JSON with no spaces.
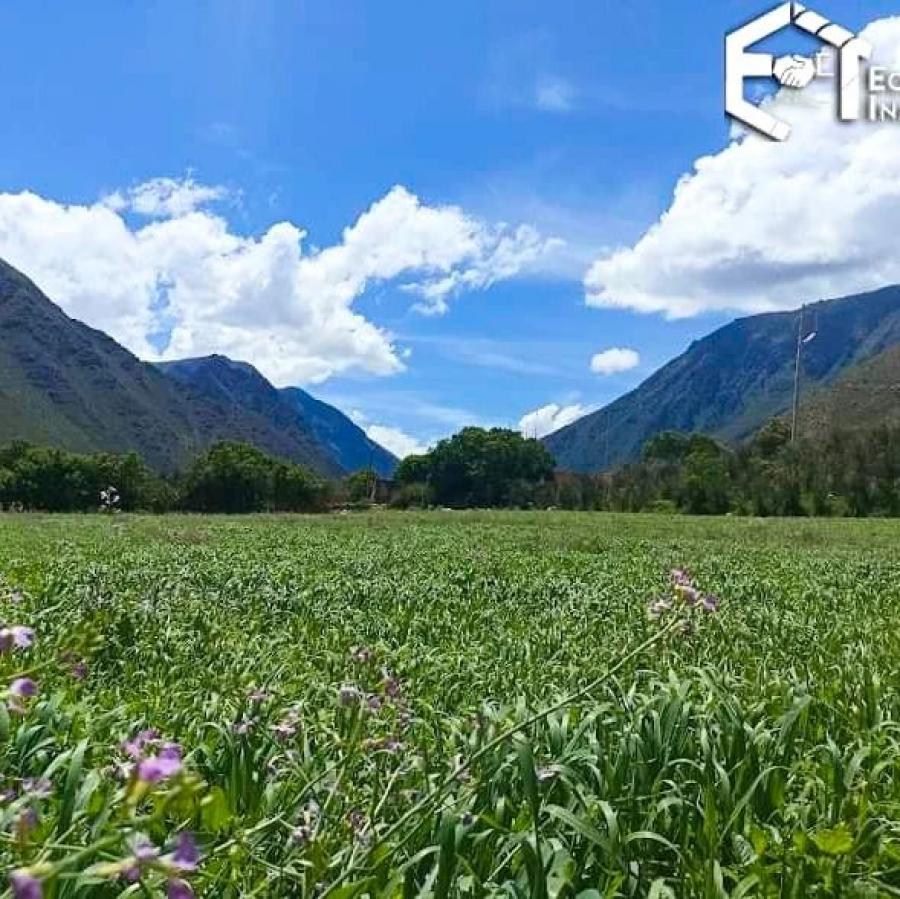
{"x":731,"y":383}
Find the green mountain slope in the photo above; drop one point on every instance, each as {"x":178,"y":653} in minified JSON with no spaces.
{"x":861,"y":396}
{"x":344,"y":440}
{"x":65,"y":384}
{"x":731,"y":382}
{"x":254,"y":411}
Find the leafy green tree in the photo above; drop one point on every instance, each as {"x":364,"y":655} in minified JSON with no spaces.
{"x":413,"y":470}
{"x":360,"y":485}
{"x":296,"y":489}
{"x":478,"y":467}
{"x":231,"y":477}
{"x":236,"y":477}
{"x":706,"y":482}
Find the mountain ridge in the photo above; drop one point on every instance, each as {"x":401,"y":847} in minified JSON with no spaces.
{"x":63,"y":383}
{"x":730,"y":382}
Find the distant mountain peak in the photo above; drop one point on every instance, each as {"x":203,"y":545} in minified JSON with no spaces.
{"x":729,"y":383}
{"x":229,"y":381}
{"x":65,"y":384}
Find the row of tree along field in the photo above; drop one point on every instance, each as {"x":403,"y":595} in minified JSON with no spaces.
{"x":844,"y":473}
{"x":231,"y":477}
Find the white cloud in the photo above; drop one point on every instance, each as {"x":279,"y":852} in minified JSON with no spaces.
{"x":495,"y":254}
{"x":165,"y":197}
{"x":396,"y":441}
{"x":763,"y":225}
{"x":267,"y":299}
{"x":614,"y":360}
{"x":550,"y":418}
{"x":553,"y":94}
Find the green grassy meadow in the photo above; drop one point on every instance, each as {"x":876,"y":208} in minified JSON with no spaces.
{"x":353,"y":703}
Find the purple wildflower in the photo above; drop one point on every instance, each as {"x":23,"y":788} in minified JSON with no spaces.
{"x":301,"y":835}
{"x":25,"y":885}
{"x":681,"y":577}
{"x":79,"y":670}
{"x":23,"y":687}
{"x":256,"y":695}
{"x":284,"y":730}
{"x":711,"y":603}
{"x":689,"y":593}
{"x":179,"y":889}
{"x":143,"y":850}
{"x":186,"y":856}
{"x":167,"y":763}
{"x":143,"y":853}
{"x":137,"y":747}
{"x":391,"y":686}
{"x":16,"y":637}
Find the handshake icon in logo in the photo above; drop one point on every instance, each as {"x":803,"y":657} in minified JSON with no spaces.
{"x":794,"y":71}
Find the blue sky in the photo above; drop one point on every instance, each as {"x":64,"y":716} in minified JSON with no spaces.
{"x":576,"y":119}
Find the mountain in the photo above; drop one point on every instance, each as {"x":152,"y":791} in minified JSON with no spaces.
{"x":327,"y":432}
{"x":862,"y":395}
{"x":249,"y":409}
{"x":65,"y":384}
{"x":344,"y":440}
{"x":734,"y":380}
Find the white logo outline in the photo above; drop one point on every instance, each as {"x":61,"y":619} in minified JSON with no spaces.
{"x":791,"y":71}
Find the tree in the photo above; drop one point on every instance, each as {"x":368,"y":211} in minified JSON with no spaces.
{"x":478,"y":467}
{"x":55,"y":480}
{"x":360,"y":485}
{"x":706,"y":482}
{"x":231,"y":477}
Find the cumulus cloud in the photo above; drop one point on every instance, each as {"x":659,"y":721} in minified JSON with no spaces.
{"x":550,"y":418}
{"x":396,"y":441}
{"x":765,"y":225}
{"x":494,"y":254}
{"x":165,"y":197}
{"x":185,"y":284}
{"x":614,"y":360}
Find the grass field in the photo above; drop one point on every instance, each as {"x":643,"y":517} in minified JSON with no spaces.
{"x":347,"y":706}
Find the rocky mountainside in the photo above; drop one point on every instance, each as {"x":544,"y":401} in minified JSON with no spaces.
{"x":731,"y":382}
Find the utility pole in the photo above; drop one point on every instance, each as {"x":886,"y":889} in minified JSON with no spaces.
{"x":374,"y":492}
{"x":802,"y":340}
{"x":796,"y":403}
